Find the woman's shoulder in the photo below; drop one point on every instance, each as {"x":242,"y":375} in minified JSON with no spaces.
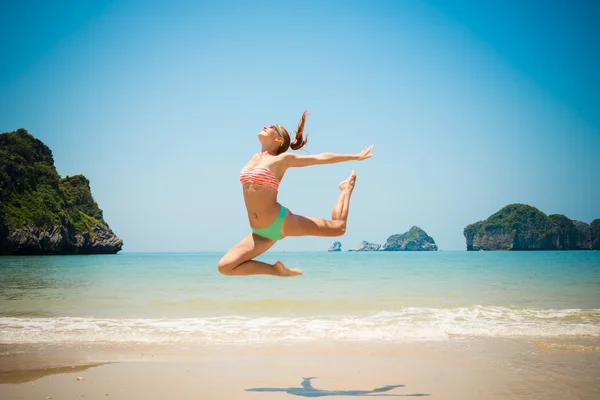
{"x":255,"y":159}
{"x":266,"y":161}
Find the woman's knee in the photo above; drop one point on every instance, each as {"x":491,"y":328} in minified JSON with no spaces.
{"x":226,"y":267}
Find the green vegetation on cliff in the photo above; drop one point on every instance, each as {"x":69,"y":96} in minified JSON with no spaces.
{"x":515,"y":217}
{"x":32,"y":192}
{"x":523,"y":227}
{"x":416,"y":239}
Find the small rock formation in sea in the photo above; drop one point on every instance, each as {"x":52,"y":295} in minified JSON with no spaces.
{"x":523,"y":227}
{"x":366,"y":246}
{"x":40,"y":213}
{"x":414,"y":240}
{"x":336,"y":246}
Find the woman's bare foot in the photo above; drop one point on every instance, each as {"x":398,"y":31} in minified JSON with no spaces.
{"x":348,"y":184}
{"x":282,"y":270}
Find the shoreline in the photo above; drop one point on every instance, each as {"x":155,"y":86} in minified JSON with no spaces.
{"x":453,"y":369}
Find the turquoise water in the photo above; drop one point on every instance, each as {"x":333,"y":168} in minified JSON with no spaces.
{"x":341,"y":296}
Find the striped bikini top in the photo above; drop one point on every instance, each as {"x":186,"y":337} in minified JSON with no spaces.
{"x":259,"y":176}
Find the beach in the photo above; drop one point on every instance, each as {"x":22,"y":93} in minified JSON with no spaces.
{"x":444,"y":325}
{"x":473,"y":369}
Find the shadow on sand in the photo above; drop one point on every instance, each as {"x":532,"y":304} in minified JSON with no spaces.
{"x":307,"y":390}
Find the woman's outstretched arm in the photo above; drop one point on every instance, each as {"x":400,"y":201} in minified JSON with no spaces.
{"x":296,"y":160}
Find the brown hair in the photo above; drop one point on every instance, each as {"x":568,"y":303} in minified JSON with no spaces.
{"x":299,"y":142}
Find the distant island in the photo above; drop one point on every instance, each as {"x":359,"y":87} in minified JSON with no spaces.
{"x":40,"y":213}
{"x":523,"y":227}
{"x":366,"y":246}
{"x":336,"y":246}
{"x":416,"y":239}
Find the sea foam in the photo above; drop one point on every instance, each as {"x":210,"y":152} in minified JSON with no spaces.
{"x":409,"y":324}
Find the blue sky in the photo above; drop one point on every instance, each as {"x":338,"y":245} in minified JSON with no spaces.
{"x":470,"y":105}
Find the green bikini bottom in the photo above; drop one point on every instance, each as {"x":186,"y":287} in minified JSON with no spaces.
{"x":273,"y":231}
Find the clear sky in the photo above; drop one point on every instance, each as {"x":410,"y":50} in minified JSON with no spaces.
{"x":470,"y":105}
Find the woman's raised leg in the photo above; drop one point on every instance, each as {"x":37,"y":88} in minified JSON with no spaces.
{"x":298,"y":225}
{"x":239,"y":260}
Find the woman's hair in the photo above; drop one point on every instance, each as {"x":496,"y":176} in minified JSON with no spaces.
{"x":299,"y":142}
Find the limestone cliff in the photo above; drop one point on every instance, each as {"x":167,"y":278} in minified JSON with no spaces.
{"x":336,"y":246}
{"x":366,"y":246}
{"x":40,"y":213}
{"x":595,"y":234}
{"x":523,"y":227}
{"x":414,"y":240}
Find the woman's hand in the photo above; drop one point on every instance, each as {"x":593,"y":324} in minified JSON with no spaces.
{"x":364,"y":154}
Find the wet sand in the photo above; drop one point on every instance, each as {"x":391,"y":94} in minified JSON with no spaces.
{"x":455,"y":369}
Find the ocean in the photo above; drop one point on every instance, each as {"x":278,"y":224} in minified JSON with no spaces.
{"x":342,"y":296}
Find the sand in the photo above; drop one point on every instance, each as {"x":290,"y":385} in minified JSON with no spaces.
{"x":454,"y":369}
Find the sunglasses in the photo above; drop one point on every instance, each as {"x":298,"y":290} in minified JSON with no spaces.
{"x":278,"y":130}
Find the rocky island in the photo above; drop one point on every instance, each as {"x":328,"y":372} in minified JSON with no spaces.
{"x":366,"y":246}
{"x":40,"y":213}
{"x":414,"y":240}
{"x":336,"y":246}
{"x":523,"y":227}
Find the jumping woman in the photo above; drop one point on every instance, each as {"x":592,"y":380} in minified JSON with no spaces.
{"x":269,"y":220}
